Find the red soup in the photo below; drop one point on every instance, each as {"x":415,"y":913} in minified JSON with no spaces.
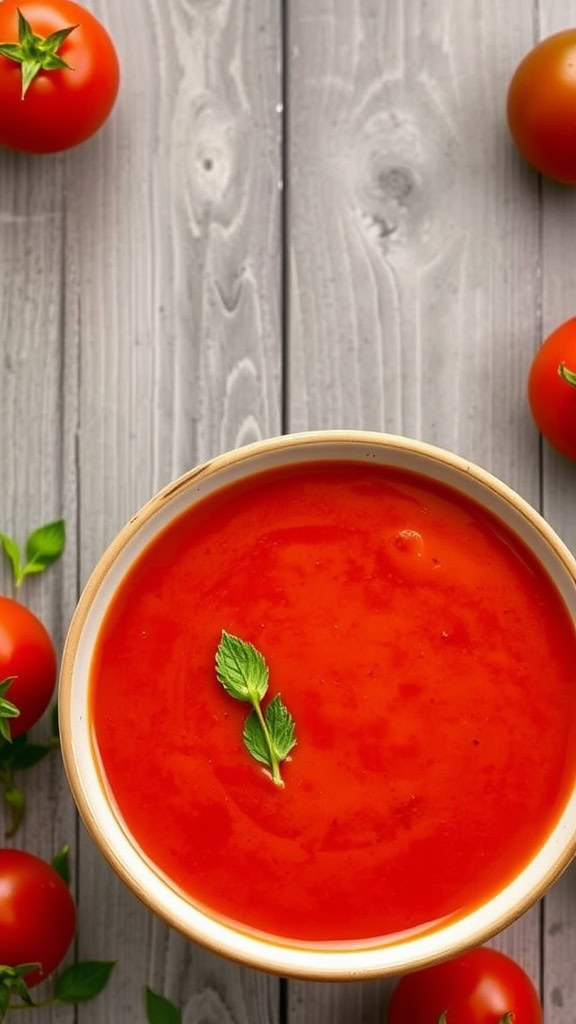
{"x":427,"y":660}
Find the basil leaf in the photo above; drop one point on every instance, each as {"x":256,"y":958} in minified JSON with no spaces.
{"x":255,"y":740}
{"x":27,"y":755}
{"x":281,"y":727}
{"x":160,"y":1010}
{"x":83,"y":981}
{"x":61,"y":863}
{"x":44,"y":546}
{"x":10,"y":546}
{"x":241,"y":669}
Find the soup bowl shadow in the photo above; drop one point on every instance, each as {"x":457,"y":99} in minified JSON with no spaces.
{"x":322,"y":961}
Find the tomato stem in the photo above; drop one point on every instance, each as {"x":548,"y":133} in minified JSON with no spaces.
{"x":35,"y":53}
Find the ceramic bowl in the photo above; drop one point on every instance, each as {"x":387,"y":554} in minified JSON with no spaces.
{"x":328,"y":961}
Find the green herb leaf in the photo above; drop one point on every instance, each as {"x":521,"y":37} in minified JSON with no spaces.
{"x":255,"y":740}
{"x":16,"y":803}
{"x":23,"y":756}
{"x":7,"y":709}
{"x":5,"y":994}
{"x":44,"y":546}
{"x":241,"y":669}
{"x":10,"y":546}
{"x":281,"y":726}
{"x":83,"y":981}
{"x":160,"y":1010}
{"x":61,"y":863}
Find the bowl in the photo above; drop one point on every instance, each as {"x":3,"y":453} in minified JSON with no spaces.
{"x":351,"y":960}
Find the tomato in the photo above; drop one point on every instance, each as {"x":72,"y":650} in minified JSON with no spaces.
{"x":26,"y":652}
{"x":542,"y":107}
{"x":37,"y":914}
{"x":65,"y":106}
{"x":480,"y":987}
{"x":552,"y":388}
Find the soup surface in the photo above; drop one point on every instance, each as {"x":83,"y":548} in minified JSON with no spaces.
{"x":428,"y":662}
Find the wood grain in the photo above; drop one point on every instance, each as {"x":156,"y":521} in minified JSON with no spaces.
{"x":414,"y":259}
{"x":37,"y":419}
{"x":559,"y":500}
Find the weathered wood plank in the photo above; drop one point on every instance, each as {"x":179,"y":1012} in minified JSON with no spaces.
{"x":559,"y":492}
{"x":37,"y":428}
{"x":173,"y":239}
{"x":414,"y":257}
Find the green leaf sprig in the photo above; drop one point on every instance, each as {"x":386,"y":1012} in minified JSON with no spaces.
{"x":43,"y":547}
{"x":7,"y":709}
{"x":35,"y":53}
{"x":160,"y":1010}
{"x":268,"y":736}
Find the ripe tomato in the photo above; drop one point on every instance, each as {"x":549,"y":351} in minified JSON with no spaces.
{"x":480,"y":987}
{"x":542,"y":107}
{"x":552,"y":388}
{"x":26,"y":652}
{"x":37,"y":914}
{"x":63,"y":105}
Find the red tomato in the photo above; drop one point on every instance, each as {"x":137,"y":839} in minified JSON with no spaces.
{"x":37,"y":914}
{"x":480,"y":987}
{"x":26,"y":652}
{"x":552,"y":388}
{"x":65,"y":106}
{"x":542,"y":107}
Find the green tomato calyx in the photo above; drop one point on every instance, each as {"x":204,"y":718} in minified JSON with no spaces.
{"x":35,"y":53}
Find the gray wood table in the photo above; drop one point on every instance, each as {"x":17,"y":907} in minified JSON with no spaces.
{"x":299,"y":216}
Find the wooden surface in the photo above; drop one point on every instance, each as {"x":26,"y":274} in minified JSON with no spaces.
{"x":298,"y":217}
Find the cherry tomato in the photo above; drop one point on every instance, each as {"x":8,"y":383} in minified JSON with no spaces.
{"x":480,"y":987}
{"x":26,"y":652}
{"x":63,"y":105}
{"x":552,"y":388}
{"x":37,"y":914}
{"x":542,"y":107}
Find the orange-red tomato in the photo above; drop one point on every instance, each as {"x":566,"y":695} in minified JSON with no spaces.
{"x":481,"y":987}
{"x":552,"y":388}
{"x":61,"y":107}
{"x":542,"y":107}
{"x":27,"y":653}
{"x":37,"y":914}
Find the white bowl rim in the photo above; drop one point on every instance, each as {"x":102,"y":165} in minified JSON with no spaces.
{"x":320,"y":962}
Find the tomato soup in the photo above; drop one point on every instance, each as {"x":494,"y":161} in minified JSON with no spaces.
{"x":427,"y":660}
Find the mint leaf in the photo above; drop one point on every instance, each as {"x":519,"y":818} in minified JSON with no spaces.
{"x":10,"y":546}
{"x":61,"y":863}
{"x":255,"y":740}
{"x":281,"y":727}
{"x":281,"y":733}
{"x":44,"y":546}
{"x":160,"y":1010}
{"x":241,"y":669}
{"x":83,"y":981}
